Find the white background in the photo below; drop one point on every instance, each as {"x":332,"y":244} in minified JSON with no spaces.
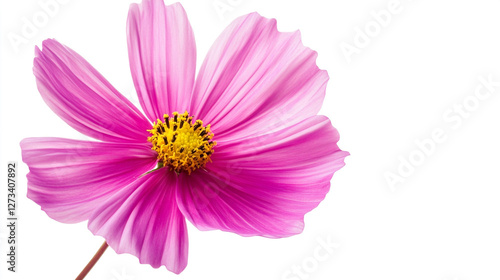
{"x":442,"y":222}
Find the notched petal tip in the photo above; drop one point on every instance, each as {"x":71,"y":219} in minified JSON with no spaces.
{"x":68,"y":178}
{"x":296,"y":35}
{"x":83,"y":98}
{"x":277,"y":182}
{"x":254,"y":72}
{"x":162,"y":55}
{"x":37,"y":52}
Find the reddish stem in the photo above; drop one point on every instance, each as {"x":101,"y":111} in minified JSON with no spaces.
{"x":93,"y":261}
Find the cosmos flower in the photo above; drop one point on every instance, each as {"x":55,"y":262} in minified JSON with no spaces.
{"x":240,"y":149}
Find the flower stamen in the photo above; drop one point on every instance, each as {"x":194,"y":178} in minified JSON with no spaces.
{"x":182,"y":145}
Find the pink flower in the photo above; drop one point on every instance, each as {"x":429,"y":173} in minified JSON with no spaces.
{"x":264,"y":161}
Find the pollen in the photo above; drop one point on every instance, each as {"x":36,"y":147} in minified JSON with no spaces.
{"x":181,"y":144}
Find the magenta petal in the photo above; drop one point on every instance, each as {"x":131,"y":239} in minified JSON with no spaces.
{"x":69,"y":178}
{"x":143,"y":220}
{"x":78,"y":94}
{"x":264,"y":185}
{"x":162,"y":54}
{"x":255,"y":78}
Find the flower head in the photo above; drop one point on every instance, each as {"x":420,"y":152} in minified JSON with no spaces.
{"x":182,"y":145}
{"x":241,"y":149}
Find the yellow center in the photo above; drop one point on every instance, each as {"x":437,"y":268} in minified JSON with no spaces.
{"x":182,"y":145}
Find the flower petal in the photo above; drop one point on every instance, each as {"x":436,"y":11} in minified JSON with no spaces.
{"x":143,"y":220}
{"x":162,"y":54}
{"x":78,"y":94}
{"x":255,"y":78}
{"x":263,"y":185}
{"x":69,"y":178}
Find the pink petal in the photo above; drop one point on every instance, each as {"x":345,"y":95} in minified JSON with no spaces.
{"x":78,"y":94}
{"x":256,"y":79}
{"x":162,"y":54}
{"x":69,"y":178}
{"x":264,"y":185}
{"x":143,"y":220}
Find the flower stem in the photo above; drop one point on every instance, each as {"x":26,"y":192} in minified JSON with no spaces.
{"x":93,"y":261}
